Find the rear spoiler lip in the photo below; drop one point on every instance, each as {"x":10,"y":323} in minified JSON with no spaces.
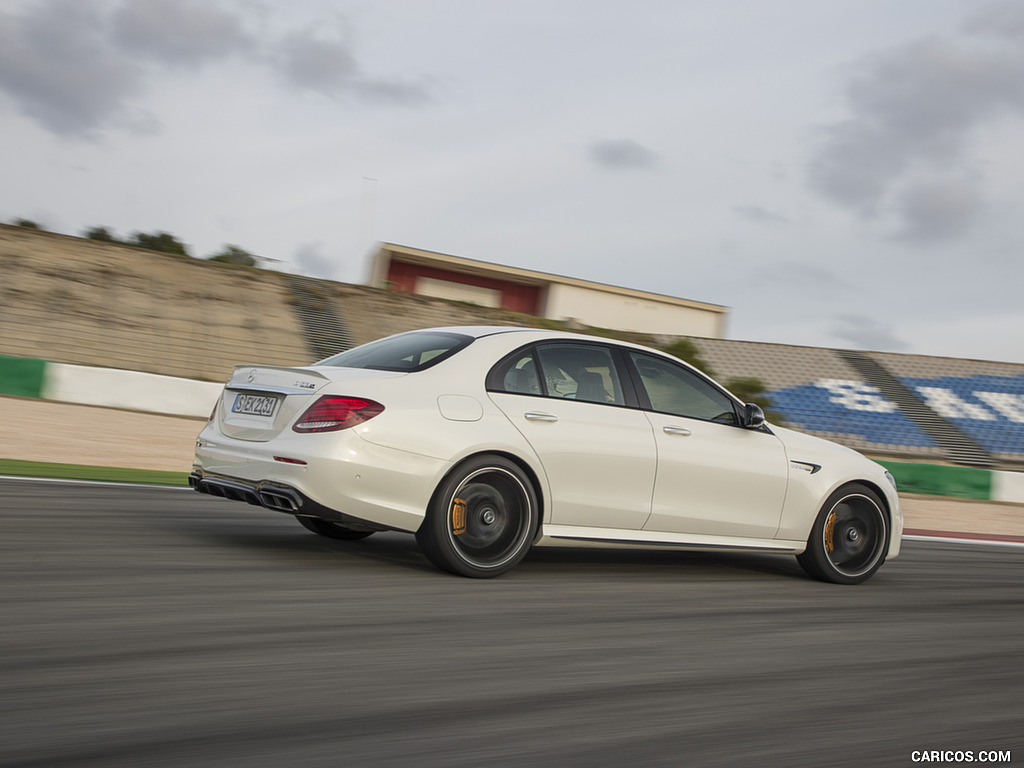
{"x":280,"y":390}
{"x":303,"y":371}
{"x":294,"y":380}
{"x":306,"y":381}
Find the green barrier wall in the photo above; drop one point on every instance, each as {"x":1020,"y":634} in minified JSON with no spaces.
{"x":937,"y":480}
{"x":21,"y":376}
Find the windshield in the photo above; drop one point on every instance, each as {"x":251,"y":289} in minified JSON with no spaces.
{"x":409,"y":352}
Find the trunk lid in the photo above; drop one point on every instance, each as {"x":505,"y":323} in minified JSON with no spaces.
{"x":260,"y":401}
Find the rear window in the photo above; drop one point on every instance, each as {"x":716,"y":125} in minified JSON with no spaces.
{"x":409,"y":352}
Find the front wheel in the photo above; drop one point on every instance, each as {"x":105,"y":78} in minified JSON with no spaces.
{"x":331,"y":530}
{"x":850,"y":537}
{"x":482,"y":519}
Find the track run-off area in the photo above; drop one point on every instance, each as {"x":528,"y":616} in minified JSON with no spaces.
{"x":150,"y":626}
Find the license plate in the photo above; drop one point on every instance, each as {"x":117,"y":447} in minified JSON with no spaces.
{"x":254,"y":405}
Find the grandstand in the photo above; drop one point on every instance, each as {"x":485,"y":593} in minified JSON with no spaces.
{"x":967,"y":412}
{"x":70,"y":300}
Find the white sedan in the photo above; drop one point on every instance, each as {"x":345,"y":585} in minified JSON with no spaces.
{"x":487,"y":441}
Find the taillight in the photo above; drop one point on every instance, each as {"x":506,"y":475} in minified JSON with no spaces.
{"x":331,"y":413}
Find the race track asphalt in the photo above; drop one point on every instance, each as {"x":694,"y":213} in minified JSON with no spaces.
{"x":157,"y":627}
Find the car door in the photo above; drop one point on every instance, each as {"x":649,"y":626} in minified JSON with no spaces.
{"x":714,"y":476}
{"x":570,"y":403}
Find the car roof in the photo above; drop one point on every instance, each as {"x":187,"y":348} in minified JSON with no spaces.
{"x":537,"y":334}
{"x":478,"y":331}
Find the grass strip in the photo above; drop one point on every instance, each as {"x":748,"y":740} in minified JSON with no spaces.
{"x":84,"y":472}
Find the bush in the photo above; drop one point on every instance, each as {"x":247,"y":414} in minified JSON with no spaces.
{"x":232,"y":254}
{"x":102,"y":234}
{"x":163,"y":242}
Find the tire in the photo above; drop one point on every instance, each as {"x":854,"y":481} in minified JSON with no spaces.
{"x":482,"y":518}
{"x":331,"y":530}
{"x":850,"y":537}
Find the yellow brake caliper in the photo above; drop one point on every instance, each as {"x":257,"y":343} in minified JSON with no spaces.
{"x":458,"y":516}
{"x":830,"y":528}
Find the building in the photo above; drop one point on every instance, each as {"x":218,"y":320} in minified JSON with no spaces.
{"x":425,"y":273}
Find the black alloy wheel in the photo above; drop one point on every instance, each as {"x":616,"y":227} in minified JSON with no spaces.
{"x":850,"y":537}
{"x":482,"y":519}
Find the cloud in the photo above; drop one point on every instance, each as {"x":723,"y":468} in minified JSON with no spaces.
{"x":807,"y":278}
{"x":311,"y":260}
{"x":178,"y":32}
{"x":939,"y":210}
{"x":867,"y":333}
{"x":907,"y":144}
{"x":1003,"y":19}
{"x":622,"y":155}
{"x":57,"y":67}
{"x":327,"y":66}
{"x":75,"y":66}
{"x":759,"y":215}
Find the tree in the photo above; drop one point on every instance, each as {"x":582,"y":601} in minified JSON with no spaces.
{"x":26,"y":224}
{"x":749,"y":389}
{"x":686,"y":350}
{"x":232,"y":254}
{"x":102,"y":234}
{"x":159,"y":241}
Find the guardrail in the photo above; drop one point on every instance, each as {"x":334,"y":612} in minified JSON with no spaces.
{"x":109,"y":387}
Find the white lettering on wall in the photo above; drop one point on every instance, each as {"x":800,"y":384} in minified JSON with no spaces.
{"x":857,"y":395}
{"x":1009,"y":405}
{"x":947,"y":403}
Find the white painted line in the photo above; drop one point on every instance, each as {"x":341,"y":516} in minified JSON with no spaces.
{"x":950,"y":540}
{"x":81,"y":481}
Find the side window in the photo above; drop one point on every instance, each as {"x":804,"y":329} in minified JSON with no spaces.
{"x":678,"y":391}
{"x":520,"y":375}
{"x":580,"y":372}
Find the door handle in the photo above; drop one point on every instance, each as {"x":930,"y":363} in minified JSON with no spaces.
{"x":535,"y":416}
{"x":680,"y":431}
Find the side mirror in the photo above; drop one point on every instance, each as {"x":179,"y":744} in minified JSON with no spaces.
{"x":753,"y":416}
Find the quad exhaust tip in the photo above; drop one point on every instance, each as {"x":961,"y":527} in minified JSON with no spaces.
{"x":279,"y":498}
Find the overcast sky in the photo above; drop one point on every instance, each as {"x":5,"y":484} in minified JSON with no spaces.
{"x":846,"y":173}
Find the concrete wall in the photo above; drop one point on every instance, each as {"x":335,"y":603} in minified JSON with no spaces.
{"x":82,"y":302}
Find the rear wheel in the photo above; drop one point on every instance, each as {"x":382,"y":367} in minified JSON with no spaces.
{"x":850,"y":537}
{"x":482,"y":519}
{"x":331,"y":530}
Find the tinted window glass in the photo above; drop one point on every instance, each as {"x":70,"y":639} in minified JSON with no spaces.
{"x":679,"y":391}
{"x":406,"y":352}
{"x":580,"y":372}
{"x":519,"y":375}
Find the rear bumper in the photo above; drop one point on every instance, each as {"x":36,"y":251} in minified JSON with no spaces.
{"x":336,"y":476}
{"x":274,"y":496}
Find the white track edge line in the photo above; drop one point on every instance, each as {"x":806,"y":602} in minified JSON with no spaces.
{"x":82,"y":481}
{"x":954,"y":540}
